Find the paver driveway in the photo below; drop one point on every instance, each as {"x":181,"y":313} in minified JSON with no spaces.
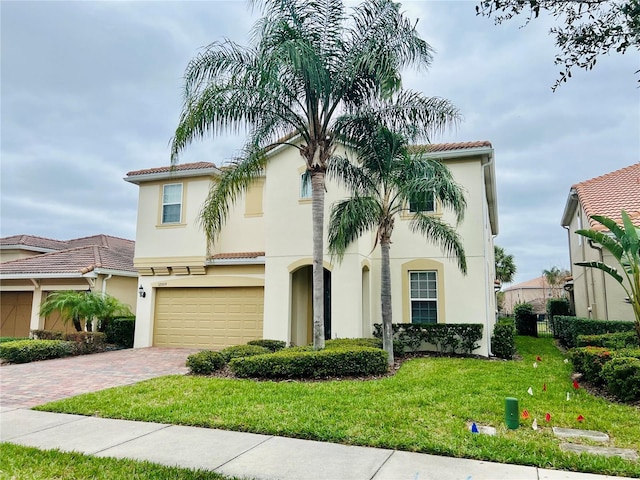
{"x":29,"y":384}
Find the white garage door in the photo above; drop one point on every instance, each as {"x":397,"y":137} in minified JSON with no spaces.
{"x":212,"y":318}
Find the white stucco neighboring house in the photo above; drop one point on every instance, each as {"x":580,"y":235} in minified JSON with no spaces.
{"x":254,"y":281}
{"x":595,"y":294}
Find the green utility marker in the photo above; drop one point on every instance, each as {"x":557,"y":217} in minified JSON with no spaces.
{"x":511,"y":413}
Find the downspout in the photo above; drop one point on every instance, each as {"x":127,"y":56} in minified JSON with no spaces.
{"x":604,"y":285}
{"x":104,"y":284}
{"x":485,"y":245}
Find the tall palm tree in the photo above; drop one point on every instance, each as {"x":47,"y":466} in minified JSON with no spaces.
{"x":555,"y":279}
{"x":505,"y":265}
{"x":79,"y":306}
{"x":384,"y":180}
{"x":309,"y":63}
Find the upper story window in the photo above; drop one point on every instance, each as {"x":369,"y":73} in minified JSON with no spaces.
{"x":424,"y":296}
{"x":305,"y":185}
{"x":172,"y":203}
{"x":422,"y":202}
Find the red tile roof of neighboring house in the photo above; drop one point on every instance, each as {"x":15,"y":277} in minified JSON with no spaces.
{"x":445,"y":147}
{"x":226,"y":256}
{"x":539,"y":282}
{"x":610,"y":193}
{"x":78,"y":255}
{"x":34,"y":241}
{"x":170,"y":168}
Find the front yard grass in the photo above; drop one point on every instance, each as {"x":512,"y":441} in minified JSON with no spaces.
{"x":26,"y":463}
{"x":425,"y":407}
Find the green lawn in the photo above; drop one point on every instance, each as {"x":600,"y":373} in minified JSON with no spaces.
{"x":25,"y":463}
{"x":425,"y":407}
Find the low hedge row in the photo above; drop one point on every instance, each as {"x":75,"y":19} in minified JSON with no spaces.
{"x":240,"y":351}
{"x":330,"y":362}
{"x":590,"y":361}
{"x":622,"y":375}
{"x":273,"y":345}
{"x":398,"y":348}
{"x":24,"y":351}
{"x":568,"y":329}
{"x":83,"y":342}
{"x":205,"y":362}
{"x":610,"y":340}
{"x":447,"y":337}
{"x":503,"y":340}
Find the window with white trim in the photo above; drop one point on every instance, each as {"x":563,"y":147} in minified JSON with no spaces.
{"x":305,"y":185}
{"x":423,"y":293}
{"x":172,"y":203}
{"x":422,"y":202}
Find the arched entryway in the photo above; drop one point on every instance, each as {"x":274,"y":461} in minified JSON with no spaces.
{"x":302,"y":305}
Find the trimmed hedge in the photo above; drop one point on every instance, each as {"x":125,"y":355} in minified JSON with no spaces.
{"x":205,"y":362}
{"x":239,"y":351}
{"x":615,"y":341}
{"x":557,"y":307}
{"x":447,"y":337}
{"x":567,"y":329}
{"x":398,"y":349}
{"x":590,"y":361}
{"x":11,"y":339}
{"x":121,"y":331}
{"x":330,"y":362}
{"x":87,"y":342}
{"x":622,"y":376}
{"x":526,"y":320}
{"x":46,"y":335}
{"x":503,"y":341}
{"x":24,"y":351}
{"x":273,"y":345}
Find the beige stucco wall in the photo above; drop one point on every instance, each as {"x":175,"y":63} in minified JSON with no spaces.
{"x":596,"y":294}
{"x":9,"y":254}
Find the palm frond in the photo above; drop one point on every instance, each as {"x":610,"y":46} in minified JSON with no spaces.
{"x":440,"y":234}
{"x":351,"y":176}
{"x":612,"y":245}
{"x":234,"y":180}
{"x":349,"y":219}
{"x":604,"y":267}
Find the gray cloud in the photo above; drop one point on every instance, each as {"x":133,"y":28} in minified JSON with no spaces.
{"x":92,"y":90}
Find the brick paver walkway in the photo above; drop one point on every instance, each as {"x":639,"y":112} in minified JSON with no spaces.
{"x":29,"y":384}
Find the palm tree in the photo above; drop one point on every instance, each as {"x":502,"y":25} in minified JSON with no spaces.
{"x":386,"y":179}
{"x":309,"y":64}
{"x":505,"y":266}
{"x":79,"y":306}
{"x":555,"y":278}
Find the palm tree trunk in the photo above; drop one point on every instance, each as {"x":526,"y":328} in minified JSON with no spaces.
{"x":385,"y":297}
{"x":317,"y":212}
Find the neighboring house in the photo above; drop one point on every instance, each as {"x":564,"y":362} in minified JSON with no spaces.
{"x":33,"y":267}
{"x":594,"y":294}
{"x":254,"y":281}
{"x":536,"y":292}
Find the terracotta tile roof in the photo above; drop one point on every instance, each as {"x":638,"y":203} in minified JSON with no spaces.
{"x":226,"y":256}
{"x":34,"y":241}
{"x":170,"y":168}
{"x":610,"y":193}
{"x":445,"y":147}
{"x":540,"y":282}
{"x":78,"y":255}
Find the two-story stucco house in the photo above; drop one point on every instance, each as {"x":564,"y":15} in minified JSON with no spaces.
{"x":595,"y":294}
{"x":254,"y":281}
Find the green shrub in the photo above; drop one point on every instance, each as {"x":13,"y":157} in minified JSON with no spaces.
{"x":447,"y":337}
{"x":238,"y":351}
{"x":614,"y":341}
{"x":205,"y":362}
{"x":503,"y":342}
{"x":526,"y":320}
{"x":557,"y":307}
{"x":331,"y":362}
{"x":11,"y":339}
{"x":273,"y":345}
{"x":24,"y":351}
{"x":567,"y":329}
{"x":87,"y":342}
{"x":398,"y":348}
{"x":46,"y":335}
{"x":121,"y":331}
{"x":590,"y":361}
{"x":622,"y":377}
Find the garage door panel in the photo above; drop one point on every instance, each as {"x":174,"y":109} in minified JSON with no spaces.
{"x":15,"y":313}
{"x":208,"y":317}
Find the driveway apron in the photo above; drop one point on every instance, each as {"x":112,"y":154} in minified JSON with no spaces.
{"x":30,"y":384}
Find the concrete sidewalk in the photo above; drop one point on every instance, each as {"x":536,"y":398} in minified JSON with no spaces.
{"x":247,"y":454}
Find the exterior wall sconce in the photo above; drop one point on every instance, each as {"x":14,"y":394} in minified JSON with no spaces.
{"x":141,"y":292}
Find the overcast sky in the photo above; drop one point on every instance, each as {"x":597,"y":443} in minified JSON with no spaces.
{"x":92,"y":90}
